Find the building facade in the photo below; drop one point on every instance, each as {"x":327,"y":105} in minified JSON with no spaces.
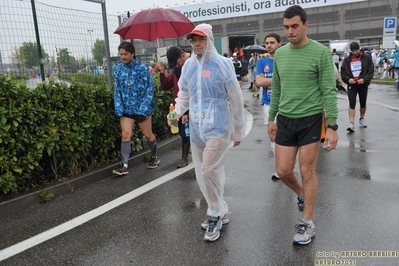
{"x":337,"y":20}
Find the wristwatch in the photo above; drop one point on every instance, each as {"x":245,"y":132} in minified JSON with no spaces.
{"x":333,"y":126}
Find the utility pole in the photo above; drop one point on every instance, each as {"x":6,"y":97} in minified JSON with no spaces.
{"x":43,"y":76}
{"x":1,"y":63}
{"x":89,"y":32}
{"x":107,"y":53}
{"x":39,"y":47}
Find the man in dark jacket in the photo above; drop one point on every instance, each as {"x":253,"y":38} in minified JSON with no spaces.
{"x":357,"y":71}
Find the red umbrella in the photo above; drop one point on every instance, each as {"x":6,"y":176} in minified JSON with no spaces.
{"x":153,"y":24}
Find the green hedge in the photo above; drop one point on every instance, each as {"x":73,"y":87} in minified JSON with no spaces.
{"x":56,"y":129}
{"x":85,"y":77}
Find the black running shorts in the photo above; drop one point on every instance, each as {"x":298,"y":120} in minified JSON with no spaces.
{"x":298,"y":131}
{"x":137,"y":118}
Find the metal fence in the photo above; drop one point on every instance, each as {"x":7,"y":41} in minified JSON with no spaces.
{"x":72,"y":40}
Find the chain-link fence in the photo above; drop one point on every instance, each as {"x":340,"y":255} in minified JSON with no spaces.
{"x":71,"y":40}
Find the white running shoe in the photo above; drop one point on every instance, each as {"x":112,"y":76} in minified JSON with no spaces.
{"x":225,"y":220}
{"x":351,"y":128}
{"x":362,"y":123}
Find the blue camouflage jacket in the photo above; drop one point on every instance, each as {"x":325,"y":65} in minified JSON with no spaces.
{"x":133,"y":90}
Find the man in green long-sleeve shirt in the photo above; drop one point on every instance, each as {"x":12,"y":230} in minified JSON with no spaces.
{"x":303,"y":87}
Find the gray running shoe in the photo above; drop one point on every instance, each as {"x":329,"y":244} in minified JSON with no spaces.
{"x":351,"y":128}
{"x":213,"y":231}
{"x":121,"y":172}
{"x":304,"y":233}
{"x":154,"y":162}
{"x":362,"y":122}
{"x":225,"y":220}
{"x":300,"y":205}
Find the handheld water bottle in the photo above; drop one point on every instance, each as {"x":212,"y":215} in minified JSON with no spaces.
{"x":187,"y":129}
{"x":174,"y":127}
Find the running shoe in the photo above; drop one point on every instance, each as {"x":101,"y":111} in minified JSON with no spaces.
{"x":213,"y":231}
{"x":304,"y":233}
{"x":154,"y":162}
{"x":362,"y":123}
{"x":225,"y":220}
{"x":121,"y":172}
{"x":351,"y":128}
{"x":300,"y":204}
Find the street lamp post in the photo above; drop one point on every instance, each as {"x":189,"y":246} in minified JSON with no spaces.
{"x":1,"y":63}
{"x":89,"y":33}
{"x":86,"y":51}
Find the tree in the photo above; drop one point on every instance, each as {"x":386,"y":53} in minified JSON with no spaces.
{"x":67,"y":61}
{"x":82,"y":62}
{"x":17,"y":58}
{"x":53,"y":62}
{"x":29,"y":52}
{"x":98,"y":51}
{"x":1,"y":63}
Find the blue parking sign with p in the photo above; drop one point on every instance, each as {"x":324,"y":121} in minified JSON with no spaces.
{"x":390,"y":23}
{"x":389,"y":26}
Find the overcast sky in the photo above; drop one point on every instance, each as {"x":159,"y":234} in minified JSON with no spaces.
{"x":121,"y":6}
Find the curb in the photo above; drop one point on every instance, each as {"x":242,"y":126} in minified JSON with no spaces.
{"x":63,"y":187}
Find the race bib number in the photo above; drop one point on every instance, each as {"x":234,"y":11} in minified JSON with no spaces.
{"x":356,"y":68}
{"x":203,"y":116}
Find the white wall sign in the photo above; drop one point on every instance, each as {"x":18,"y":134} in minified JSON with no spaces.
{"x":387,"y":42}
{"x":234,"y":8}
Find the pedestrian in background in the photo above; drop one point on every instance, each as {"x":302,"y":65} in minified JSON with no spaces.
{"x":209,"y":87}
{"x":252,"y":72}
{"x":134,"y":103}
{"x":264,"y":77}
{"x":176,"y":58}
{"x":244,"y":70}
{"x":299,"y":97}
{"x":395,"y":55}
{"x":238,"y":68}
{"x":336,"y":58}
{"x":357,"y":71}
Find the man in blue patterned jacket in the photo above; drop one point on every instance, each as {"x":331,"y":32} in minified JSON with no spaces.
{"x":134,"y":102}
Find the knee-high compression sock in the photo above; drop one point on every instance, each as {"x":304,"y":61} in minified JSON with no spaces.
{"x":153,"y":147}
{"x":126,"y":148}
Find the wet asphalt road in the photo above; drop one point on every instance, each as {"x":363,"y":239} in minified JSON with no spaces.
{"x":357,"y":208}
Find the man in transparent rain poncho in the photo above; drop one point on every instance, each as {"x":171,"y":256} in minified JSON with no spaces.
{"x":209,"y":88}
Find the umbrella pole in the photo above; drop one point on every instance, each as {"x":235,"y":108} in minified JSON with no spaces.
{"x":158,"y":43}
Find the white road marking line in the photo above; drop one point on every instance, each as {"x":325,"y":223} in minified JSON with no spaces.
{"x":75,"y":222}
{"x":62,"y":228}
